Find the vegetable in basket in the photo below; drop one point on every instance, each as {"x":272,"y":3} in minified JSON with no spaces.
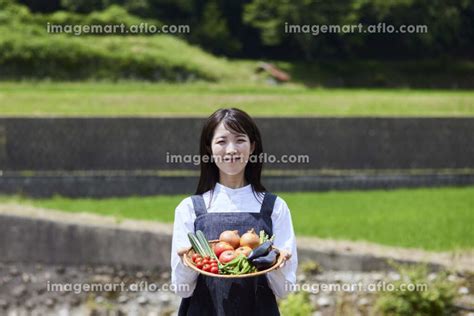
{"x":209,"y":261}
{"x":261,"y":250}
{"x":223,"y":259}
{"x":239,"y":265}
{"x":265,"y":262}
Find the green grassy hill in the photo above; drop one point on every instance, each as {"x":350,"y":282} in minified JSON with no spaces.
{"x":24,"y":55}
{"x":28,"y":51}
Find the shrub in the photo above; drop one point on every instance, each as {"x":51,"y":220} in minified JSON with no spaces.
{"x":12,"y":12}
{"x":311,"y":267}
{"x":112,"y":15}
{"x":296,"y":304}
{"x":437,"y":299}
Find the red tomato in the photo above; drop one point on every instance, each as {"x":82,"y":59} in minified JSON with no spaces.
{"x":206,"y":267}
{"x":205,"y":261}
{"x":227,"y":256}
{"x":195,"y":256}
{"x":245,"y":250}
{"x":222,"y":246}
{"x":199,"y":264}
{"x":207,"y":257}
{"x":214,"y":270}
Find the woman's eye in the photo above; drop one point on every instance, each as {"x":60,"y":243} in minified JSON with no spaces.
{"x":241,"y":140}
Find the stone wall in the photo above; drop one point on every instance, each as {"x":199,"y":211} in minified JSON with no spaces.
{"x":102,"y":157}
{"x":143,"y":143}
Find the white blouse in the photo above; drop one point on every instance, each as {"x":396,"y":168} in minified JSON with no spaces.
{"x":225,"y":199}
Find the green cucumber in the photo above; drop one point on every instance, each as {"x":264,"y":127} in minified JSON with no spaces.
{"x":205,"y":244}
{"x":195,"y":244}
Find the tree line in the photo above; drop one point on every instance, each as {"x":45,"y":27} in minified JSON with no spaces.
{"x":259,"y":28}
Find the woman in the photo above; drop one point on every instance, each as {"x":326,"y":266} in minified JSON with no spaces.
{"x":230,"y":196}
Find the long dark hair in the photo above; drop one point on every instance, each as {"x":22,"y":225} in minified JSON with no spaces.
{"x":240,"y":122}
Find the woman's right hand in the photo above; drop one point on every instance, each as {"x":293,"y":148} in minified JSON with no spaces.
{"x":181,"y":252}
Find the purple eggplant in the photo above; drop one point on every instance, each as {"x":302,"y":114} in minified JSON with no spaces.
{"x":265,"y":262}
{"x":261,"y":250}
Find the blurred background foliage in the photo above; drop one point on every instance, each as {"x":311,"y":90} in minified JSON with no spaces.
{"x":254,"y":29}
{"x":243,"y":30}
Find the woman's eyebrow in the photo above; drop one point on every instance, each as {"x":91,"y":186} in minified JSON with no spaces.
{"x":225,"y":137}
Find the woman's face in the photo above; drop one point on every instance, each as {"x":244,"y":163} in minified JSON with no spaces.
{"x":230,"y":151}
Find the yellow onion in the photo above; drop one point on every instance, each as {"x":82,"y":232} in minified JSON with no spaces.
{"x":231,"y":237}
{"x":250,"y":239}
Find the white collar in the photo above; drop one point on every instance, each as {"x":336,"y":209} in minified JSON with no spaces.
{"x":243,"y":190}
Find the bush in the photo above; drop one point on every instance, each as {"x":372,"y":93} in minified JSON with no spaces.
{"x":112,"y":15}
{"x":436,"y":300}
{"x":82,"y":6}
{"x":311,"y":267}
{"x":63,"y":18}
{"x":12,"y":12}
{"x":296,"y":304}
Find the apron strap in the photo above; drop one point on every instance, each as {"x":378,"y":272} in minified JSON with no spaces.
{"x":268,"y":203}
{"x":199,"y":205}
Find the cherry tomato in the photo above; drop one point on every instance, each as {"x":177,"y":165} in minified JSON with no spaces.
{"x":206,"y":267}
{"x":199,"y":264}
{"x":214,"y":270}
{"x":214,"y":264}
{"x":205,"y":261}
{"x":196,"y":256}
{"x":207,"y":257}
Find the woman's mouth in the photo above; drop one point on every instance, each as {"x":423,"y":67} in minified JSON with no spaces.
{"x":232,"y":159}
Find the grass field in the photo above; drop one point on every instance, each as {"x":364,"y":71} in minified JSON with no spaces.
{"x":201,"y":99}
{"x":433,"y":219}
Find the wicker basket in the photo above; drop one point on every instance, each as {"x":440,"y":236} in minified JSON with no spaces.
{"x":187,"y":258}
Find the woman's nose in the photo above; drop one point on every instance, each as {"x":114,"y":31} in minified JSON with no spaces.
{"x":231,"y":148}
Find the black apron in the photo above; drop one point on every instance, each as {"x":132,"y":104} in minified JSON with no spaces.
{"x":228,"y":297}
